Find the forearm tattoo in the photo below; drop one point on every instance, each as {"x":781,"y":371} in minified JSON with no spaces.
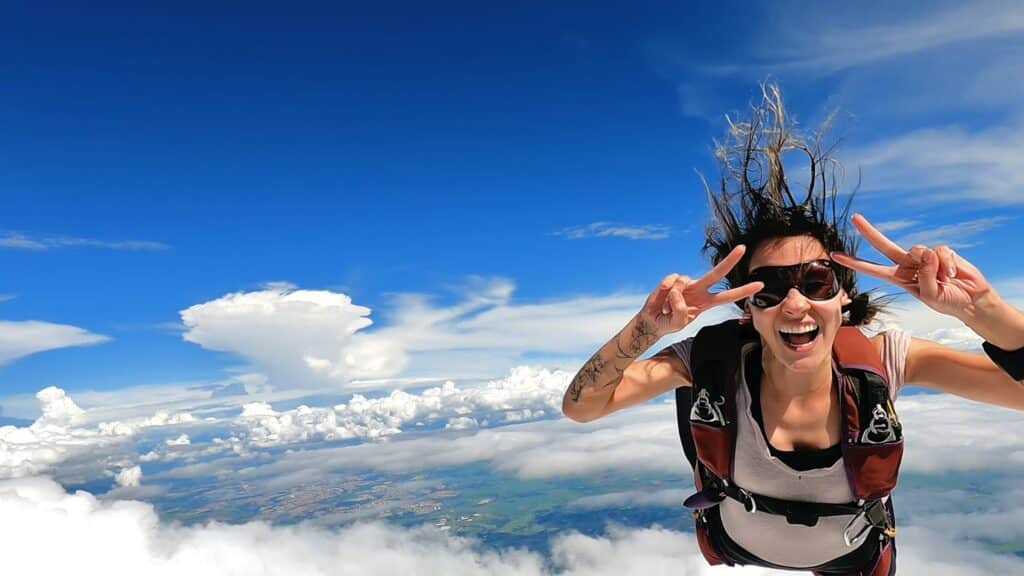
{"x":587,"y":376}
{"x":643,"y":336}
{"x":640,"y":339}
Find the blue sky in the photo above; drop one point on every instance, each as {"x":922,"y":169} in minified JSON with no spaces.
{"x":160,"y":157}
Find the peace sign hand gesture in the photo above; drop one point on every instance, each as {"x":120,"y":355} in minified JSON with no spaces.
{"x":939,"y":277}
{"x":678,"y":300}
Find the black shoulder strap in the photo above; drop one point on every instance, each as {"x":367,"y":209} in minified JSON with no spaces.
{"x":713,"y":360}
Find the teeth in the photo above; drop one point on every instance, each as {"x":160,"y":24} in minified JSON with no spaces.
{"x":799,"y":329}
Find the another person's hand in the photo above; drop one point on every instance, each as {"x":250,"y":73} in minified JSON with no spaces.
{"x":938,"y":276}
{"x":679,"y":299}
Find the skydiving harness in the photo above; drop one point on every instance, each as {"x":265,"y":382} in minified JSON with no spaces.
{"x":871,"y":440}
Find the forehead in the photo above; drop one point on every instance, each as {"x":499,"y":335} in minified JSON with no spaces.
{"x":787,"y":251}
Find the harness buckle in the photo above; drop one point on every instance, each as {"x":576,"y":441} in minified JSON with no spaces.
{"x":801,"y":513}
{"x":749,"y":503}
{"x":872,"y":515}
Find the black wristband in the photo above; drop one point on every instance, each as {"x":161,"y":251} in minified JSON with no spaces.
{"x":1012,"y":361}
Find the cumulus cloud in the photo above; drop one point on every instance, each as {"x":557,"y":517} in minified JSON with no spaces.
{"x":289,"y":333}
{"x":19,"y":339}
{"x":129,"y":477}
{"x":317,"y":338}
{"x":641,"y":439}
{"x":182,"y":440}
{"x":59,"y":434}
{"x":526,"y":393}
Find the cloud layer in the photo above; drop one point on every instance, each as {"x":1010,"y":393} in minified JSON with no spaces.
{"x":127,"y":537}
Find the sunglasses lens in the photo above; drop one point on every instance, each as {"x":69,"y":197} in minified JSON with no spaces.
{"x":819,"y":282}
{"x":815,"y":280}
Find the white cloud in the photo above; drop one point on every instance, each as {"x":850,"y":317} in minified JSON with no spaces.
{"x":17,"y":240}
{"x":526,"y":393}
{"x":297,"y":336}
{"x":58,"y":434}
{"x":19,"y":339}
{"x":640,"y":439}
{"x":610,"y":229}
{"x":129,"y":477}
{"x":949,"y":164}
{"x":938,"y":426}
{"x":127,"y":537}
{"x":182,"y":440}
{"x":918,"y":320}
{"x":957,"y":235}
{"x":894,"y":225}
{"x":850,"y":42}
{"x":123,"y":537}
{"x":316,"y":339}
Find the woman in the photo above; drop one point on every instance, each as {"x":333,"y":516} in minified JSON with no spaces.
{"x":787,"y":413}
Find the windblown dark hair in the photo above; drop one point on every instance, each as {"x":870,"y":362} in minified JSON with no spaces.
{"x":756,"y":204}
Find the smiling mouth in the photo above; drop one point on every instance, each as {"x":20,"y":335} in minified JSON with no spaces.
{"x":797,"y":341}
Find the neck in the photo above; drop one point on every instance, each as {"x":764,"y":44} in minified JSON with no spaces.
{"x":790,"y":384}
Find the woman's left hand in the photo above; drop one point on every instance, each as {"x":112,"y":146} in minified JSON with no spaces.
{"x":938,"y":276}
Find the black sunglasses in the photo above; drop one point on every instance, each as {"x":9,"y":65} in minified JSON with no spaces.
{"x":817,"y":280}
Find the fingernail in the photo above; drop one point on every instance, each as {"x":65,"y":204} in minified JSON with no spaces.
{"x":951,"y":272}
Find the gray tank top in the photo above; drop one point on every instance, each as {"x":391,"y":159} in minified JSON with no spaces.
{"x":767,"y":535}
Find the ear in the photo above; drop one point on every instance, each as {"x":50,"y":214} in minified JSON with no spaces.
{"x":844,"y":298}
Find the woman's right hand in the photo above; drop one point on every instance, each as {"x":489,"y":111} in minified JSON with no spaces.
{"x":678,"y":300}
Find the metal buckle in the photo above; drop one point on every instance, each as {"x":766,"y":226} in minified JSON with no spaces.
{"x":873,"y":515}
{"x":749,"y":503}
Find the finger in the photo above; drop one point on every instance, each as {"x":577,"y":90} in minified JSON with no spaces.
{"x":909,"y":270}
{"x":947,"y":262}
{"x":880,"y":271}
{"x":880,"y":241}
{"x":927,"y":277}
{"x":963,"y":266}
{"x":734,"y":294}
{"x":678,"y":286}
{"x":656,"y":299}
{"x":722,"y":268}
{"x":676,"y":300}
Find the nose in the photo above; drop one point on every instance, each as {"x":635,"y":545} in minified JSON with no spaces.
{"x":795,"y":304}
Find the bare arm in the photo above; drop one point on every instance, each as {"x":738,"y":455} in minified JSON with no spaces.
{"x":966,"y":374}
{"x":594,"y":385}
{"x":612,"y":379}
{"x":948,"y":283}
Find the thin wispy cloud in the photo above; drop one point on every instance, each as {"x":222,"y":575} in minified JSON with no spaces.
{"x":19,"y":339}
{"x":610,"y":229}
{"x":19,"y":241}
{"x":839,"y":47}
{"x":958,"y":235}
{"x":950,"y":164}
{"x":894,"y":225}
